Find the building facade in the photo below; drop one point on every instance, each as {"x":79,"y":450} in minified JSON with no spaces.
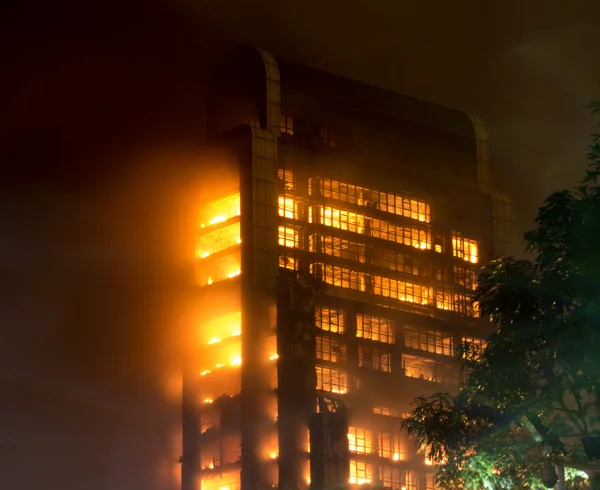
{"x":337,"y":258}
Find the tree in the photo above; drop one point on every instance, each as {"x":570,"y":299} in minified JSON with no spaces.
{"x":539,"y":373}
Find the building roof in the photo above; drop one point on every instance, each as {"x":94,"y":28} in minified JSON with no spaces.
{"x":367,"y":97}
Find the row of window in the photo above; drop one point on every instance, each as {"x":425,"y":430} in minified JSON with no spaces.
{"x":378,"y":256}
{"x":388,"y":202}
{"x":392,"y":446}
{"x":337,"y":380}
{"x":382,"y":330}
{"x":404,"y":291}
{"x":361,"y":473}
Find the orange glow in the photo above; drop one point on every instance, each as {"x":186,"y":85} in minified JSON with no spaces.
{"x":237,"y":361}
{"x":273,"y":357}
{"x":396,"y":457}
{"x":234,"y":273}
{"x":211,"y":466}
{"x":219,"y":329}
{"x":273,"y":455}
{"x":220,"y":211}
{"x":204,"y":373}
{"x":428,"y":462}
{"x":218,"y":240}
{"x":287,"y":207}
{"x":208,"y":400}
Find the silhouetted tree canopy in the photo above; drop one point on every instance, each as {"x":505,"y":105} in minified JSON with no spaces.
{"x":541,"y":362}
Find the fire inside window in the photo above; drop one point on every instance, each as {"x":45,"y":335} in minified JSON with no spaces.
{"x":360,"y":441}
{"x":434,"y":341}
{"x":464,"y":248}
{"x":330,"y":349}
{"x":375,"y":328}
{"x":288,"y":208}
{"x":289,"y":237}
{"x":331,"y":379}
{"x":359,"y":223}
{"x":330,"y":319}
{"x":383,"y":201}
{"x":220,"y":211}
{"x":392,"y":446}
{"x":361,"y":472}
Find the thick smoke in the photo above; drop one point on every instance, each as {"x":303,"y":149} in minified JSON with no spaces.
{"x":101,"y":156}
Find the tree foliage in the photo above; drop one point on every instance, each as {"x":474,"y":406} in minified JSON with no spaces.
{"x":542,"y":360}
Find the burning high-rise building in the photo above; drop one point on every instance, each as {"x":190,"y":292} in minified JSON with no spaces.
{"x":337,"y":259}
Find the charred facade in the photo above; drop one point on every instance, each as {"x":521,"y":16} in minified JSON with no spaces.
{"x":337,"y":261}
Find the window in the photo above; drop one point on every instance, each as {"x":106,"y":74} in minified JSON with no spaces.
{"x":397,"y":479}
{"x":472,"y":347}
{"x":330,"y":379}
{"x":392,"y":446}
{"x":361,"y":472}
{"x":286,"y":124}
{"x":331,"y":350}
{"x":338,"y":247}
{"x":341,"y":277}
{"x":429,"y":370}
{"x":382,"y":361}
{"x":379,"y":359}
{"x":403,"y":291}
{"x":465,"y":277}
{"x":464,"y":248}
{"x":341,"y":219}
{"x":289,"y":237}
{"x":288,"y":262}
{"x":360,"y":440}
{"x":389,"y":412}
{"x":395,"y":261}
{"x":330,"y":319}
{"x":375,"y":328}
{"x":434,"y":341}
{"x":288,"y":208}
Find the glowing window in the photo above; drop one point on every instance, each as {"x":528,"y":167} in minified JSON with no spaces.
{"x":360,"y":441}
{"x":361,"y":472}
{"x":330,"y":349}
{"x":288,"y":262}
{"x":403,"y":291}
{"x":384,"y":201}
{"x":343,"y":277}
{"x":342,"y":219}
{"x":286,"y":124}
{"x":434,"y":341}
{"x":330,"y":319}
{"x":375,"y":328}
{"x":464,"y":248}
{"x":287,"y":177}
{"x":331,"y":379}
{"x":287,"y":208}
{"x":220,"y":211}
{"x":289,"y":237}
{"x":392,"y":446}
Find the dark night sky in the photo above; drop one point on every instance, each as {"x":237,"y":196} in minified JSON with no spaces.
{"x":102,"y":125}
